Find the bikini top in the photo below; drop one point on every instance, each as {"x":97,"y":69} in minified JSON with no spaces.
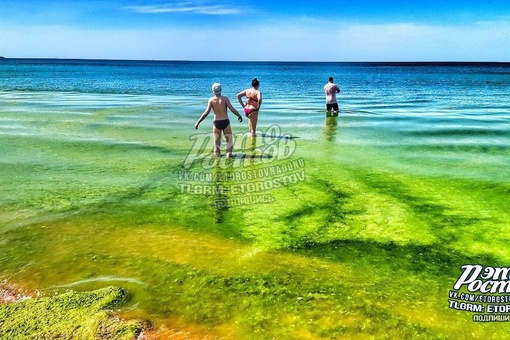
{"x":252,"y":101}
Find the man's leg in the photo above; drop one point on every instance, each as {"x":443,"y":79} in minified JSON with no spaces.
{"x":217,"y":141}
{"x":230,"y":141}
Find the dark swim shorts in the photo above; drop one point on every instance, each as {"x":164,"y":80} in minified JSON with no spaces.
{"x":221,"y":124}
{"x":333,"y":107}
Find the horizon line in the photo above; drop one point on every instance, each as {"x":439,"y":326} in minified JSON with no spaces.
{"x":264,"y":61}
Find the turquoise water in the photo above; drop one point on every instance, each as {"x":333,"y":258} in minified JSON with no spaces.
{"x":417,"y":109}
{"x":408,"y":183}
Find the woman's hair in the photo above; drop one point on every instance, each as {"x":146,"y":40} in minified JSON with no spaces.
{"x":255,"y":82}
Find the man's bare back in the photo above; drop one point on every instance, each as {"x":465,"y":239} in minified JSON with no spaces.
{"x":221,"y":124}
{"x":219,"y":106}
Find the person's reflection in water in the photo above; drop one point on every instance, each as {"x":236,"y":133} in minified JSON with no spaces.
{"x":252,"y":150}
{"x":251,"y":154}
{"x":330,"y":128}
{"x":221,"y":182}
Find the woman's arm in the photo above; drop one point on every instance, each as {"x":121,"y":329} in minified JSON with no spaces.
{"x":233,"y":109}
{"x":240,"y":95}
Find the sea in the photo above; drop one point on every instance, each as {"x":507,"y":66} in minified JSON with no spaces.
{"x":359,"y":229}
{"x":394,"y":105}
{"x":293,"y":91}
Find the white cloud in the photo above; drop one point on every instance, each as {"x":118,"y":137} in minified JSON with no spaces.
{"x":186,"y":7}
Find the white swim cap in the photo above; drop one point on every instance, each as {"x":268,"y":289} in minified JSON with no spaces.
{"x":216,"y":88}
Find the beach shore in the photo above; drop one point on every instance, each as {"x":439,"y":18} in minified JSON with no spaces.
{"x":72,"y":315}
{"x":10,"y":293}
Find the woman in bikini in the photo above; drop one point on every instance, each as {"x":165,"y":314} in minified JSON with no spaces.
{"x":221,"y":123}
{"x":252,"y":105}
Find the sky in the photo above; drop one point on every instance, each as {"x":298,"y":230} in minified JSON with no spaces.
{"x":257,"y":30}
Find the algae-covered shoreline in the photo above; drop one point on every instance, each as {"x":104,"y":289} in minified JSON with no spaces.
{"x":70,"y":315}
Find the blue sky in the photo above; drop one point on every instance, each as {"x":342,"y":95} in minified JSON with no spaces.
{"x":263,"y":30}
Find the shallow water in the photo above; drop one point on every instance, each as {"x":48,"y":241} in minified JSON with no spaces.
{"x":346,"y":226}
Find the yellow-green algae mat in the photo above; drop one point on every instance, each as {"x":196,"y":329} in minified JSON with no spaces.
{"x":71,"y":315}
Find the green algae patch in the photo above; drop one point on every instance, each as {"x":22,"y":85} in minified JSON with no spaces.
{"x":71,"y":315}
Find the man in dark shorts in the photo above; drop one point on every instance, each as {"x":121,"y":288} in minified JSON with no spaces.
{"x":331,"y":90}
{"x":221,"y":123}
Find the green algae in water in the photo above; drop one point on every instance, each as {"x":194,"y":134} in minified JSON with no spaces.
{"x":71,"y":315}
{"x":367,"y":245}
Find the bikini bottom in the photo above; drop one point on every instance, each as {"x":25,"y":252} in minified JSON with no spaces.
{"x":247,"y":112}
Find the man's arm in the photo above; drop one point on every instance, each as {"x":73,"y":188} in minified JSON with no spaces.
{"x":205,"y":114}
{"x":233,"y":109}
